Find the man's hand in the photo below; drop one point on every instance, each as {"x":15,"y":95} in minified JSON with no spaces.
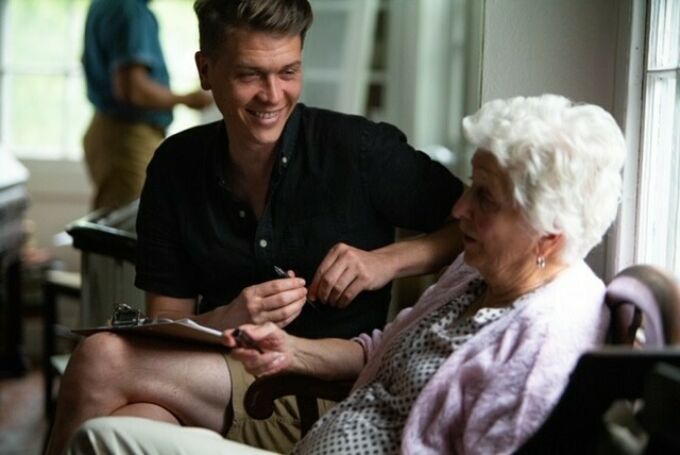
{"x":275,"y":343}
{"x":279,"y":301}
{"x":198,"y":99}
{"x":346,"y":271}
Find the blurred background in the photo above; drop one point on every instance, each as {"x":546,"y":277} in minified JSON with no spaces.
{"x":419,"y":64}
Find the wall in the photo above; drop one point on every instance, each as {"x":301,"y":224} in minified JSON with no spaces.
{"x":59,"y":193}
{"x":567,"y":47}
{"x":556,"y":46}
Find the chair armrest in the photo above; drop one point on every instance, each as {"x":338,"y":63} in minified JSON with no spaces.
{"x":260,"y":396}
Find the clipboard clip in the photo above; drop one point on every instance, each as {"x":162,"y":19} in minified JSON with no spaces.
{"x":126,"y":316}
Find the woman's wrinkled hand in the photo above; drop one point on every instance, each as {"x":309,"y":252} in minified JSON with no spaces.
{"x":275,"y":344}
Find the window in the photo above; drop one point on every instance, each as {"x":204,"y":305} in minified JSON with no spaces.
{"x":658,"y":223}
{"x":43,"y":106}
{"x":44,"y":109}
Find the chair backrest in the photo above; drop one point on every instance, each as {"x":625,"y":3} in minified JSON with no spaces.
{"x":647,"y":298}
{"x":642,"y":299}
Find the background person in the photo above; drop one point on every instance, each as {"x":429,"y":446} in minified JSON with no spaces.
{"x":276,"y":183}
{"x":477,"y":365}
{"x":129,"y":86}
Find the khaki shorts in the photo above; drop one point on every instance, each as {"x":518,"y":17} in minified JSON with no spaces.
{"x":280,"y":432}
{"x":117,"y":153}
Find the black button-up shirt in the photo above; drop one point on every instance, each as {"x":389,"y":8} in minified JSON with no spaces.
{"x":337,"y":178}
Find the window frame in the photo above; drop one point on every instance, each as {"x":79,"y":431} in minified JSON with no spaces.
{"x":70,"y":73}
{"x":631,"y":90}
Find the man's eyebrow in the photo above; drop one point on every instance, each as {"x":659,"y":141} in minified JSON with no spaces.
{"x":247,"y":67}
{"x":244,"y":66}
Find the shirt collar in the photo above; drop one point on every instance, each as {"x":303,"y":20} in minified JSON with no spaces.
{"x":284,"y":151}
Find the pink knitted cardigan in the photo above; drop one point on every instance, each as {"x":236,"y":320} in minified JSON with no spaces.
{"x":492,"y":393}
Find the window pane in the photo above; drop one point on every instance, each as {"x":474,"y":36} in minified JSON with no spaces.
{"x":664,"y":34}
{"x":38,"y":32}
{"x":45,"y":99}
{"x":658,"y":213}
{"x":35,"y":112}
{"x":179,"y":39}
{"x":77,"y":15}
{"x":78,"y":115}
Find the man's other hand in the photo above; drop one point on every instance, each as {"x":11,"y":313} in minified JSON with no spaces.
{"x":346,"y":271}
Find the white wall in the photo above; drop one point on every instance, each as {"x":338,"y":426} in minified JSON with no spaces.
{"x":550,"y":46}
{"x":566,"y":47}
{"x":59,"y":192}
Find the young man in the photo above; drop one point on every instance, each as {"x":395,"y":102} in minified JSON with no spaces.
{"x":276,"y":183}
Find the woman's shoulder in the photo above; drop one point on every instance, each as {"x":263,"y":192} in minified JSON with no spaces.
{"x":579,"y":278}
{"x":575,"y":295}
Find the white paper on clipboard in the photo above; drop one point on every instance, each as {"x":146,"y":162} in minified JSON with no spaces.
{"x":181,"y":329}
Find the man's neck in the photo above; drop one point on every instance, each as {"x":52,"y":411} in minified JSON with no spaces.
{"x":250,"y":160}
{"x":249,"y":171}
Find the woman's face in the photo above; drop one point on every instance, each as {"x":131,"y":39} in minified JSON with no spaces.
{"x":498,"y":240}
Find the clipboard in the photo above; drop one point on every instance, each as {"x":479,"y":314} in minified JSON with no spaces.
{"x":126,"y":320}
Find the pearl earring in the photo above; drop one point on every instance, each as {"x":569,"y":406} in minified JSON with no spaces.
{"x":540,"y":262}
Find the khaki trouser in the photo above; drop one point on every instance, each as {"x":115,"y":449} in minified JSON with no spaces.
{"x":134,"y":435}
{"x":117,"y":153}
{"x":280,"y":432}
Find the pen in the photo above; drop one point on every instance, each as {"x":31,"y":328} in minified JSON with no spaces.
{"x":282,"y":274}
{"x":243,"y":340}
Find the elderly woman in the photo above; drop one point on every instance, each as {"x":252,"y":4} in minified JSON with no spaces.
{"x":476,"y":365}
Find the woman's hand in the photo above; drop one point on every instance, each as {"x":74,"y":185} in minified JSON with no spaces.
{"x":328,"y":358}
{"x":275,"y":344}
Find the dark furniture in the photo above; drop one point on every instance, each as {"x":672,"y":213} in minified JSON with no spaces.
{"x":13,"y":204}
{"x":56,"y":284}
{"x":600,"y":378}
{"x":108,"y":242}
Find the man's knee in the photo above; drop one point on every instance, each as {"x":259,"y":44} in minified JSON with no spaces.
{"x":97,"y":356}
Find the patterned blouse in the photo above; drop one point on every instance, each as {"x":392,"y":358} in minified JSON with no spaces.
{"x":371,"y":419}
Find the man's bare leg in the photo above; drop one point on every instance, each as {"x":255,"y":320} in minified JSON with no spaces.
{"x":114,"y":375}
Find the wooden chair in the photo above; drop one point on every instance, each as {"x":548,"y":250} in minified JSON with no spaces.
{"x":639,"y":296}
{"x":57,"y":284}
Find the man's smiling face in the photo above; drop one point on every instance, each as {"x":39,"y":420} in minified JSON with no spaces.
{"x":256,"y":81}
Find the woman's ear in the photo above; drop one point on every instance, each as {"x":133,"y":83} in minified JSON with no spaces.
{"x":549,"y":244}
{"x":203,"y":66}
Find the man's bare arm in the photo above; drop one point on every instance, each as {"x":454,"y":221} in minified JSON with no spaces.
{"x":346,"y":271}
{"x":133,"y":85}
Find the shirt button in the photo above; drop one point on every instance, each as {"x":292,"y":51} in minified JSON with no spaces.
{"x":263,"y":243}
{"x":241,"y":213}
{"x":284,"y":160}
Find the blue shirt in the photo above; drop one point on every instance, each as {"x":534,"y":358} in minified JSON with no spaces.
{"x":119,"y":33}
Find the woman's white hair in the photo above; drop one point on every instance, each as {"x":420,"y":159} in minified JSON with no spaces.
{"x":564,"y":161}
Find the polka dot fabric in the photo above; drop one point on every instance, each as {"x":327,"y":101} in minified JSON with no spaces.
{"x":371,"y":419}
